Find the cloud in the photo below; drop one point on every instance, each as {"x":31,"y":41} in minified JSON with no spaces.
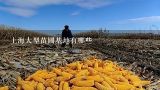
{"x":19,"y":11}
{"x":75,"y":13}
{"x":149,"y":19}
{"x":37,"y":3}
{"x":93,"y":3}
{"x":30,"y":6}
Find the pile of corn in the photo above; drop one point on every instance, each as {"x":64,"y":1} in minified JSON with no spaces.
{"x":90,"y":74}
{"x":4,"y":88}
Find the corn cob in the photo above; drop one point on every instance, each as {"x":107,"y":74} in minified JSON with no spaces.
{"x":57,"y":71}
{"x":96,"y":78}
{"x":65,"y":74}
{"x":66,"y":86}
{"x":27,"y":87}
{"x":38,"y":79}
{"x":61,"y":85}
{"x":85,"y":83}
{"x":104,"y":83}
{"x":4,"y":88}
{"x":61,"y":78}
{"x":100,"y":86}
{"x":82,"y":73}
{"x":83,"y":88}
{"x":40,"y":86}
{"x":77,"y":79}
{"x":49,"y":88}
{"x":124,"y":87}
{"x":92,"y":74}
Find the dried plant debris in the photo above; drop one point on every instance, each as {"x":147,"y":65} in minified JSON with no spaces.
{"x":142,"y":54}
{"x":15,"y":61}
{"x":139,"y":56}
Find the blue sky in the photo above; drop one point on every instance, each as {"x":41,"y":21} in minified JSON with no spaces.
{"x":81,"y":14}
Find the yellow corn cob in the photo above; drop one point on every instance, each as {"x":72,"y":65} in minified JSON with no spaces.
{"x":61,"y":78}
{"x":40,"y":86}
{"x":79,"y":66}
{"x":140,"y":83}
{"x":61,"y":85}
{"x":85,"y":66}
{"x":82,"y":73}
{"x":49,"y":88}
{"x":133,"y":78}
{"x":110,"y":83}
{"x":66,"y":86}
{"x":4,"y":88}
{"x":124,"y":87}
{"x":107,"y":85}
{"x":99,"y":69}
{"x":38,"y":79}
{"x":96,"y":78}
{"x":39,"y":73}
{"x":77,"y":79}
{"x":119,"y":78}
{"x":109,"y":69}
{"x":100,"y":86}
{"x":65,"y":74}
{"x":29,"y":78}
{"x":73,"y":72}
{"x":33,"y":84}
{"x":118,"y":73}
{"x":107,"y":78}
{"x":83,"y":88}
{"x":122,"y":83}
{"x":85,"y":83}
{"x":42,"y":75}
{"x":49,"y":75}
{"x":19,"y":87}
{"x":72,"y":64}
{"x":56,"y":83}
{"x":27,"y":87}
{"x":19,"y":80}
{"x":57,"y":71}
{"x":49,"y":82}
{"x":139,"y":88}
{"x":92,"y":71}
{"x":55,"y":87}
{"x":96,"y":65}
{"x":89,"y":63}
{"x":145,"y":83}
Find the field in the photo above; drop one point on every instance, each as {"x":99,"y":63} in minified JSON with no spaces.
{"x":141,"y":56}
{"x":7,"y":33}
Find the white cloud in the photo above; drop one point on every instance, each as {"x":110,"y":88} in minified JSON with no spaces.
{"x":30,"y":5}
{"x":19,"y":11}
{"x":75,"y":13}
{"x":149,"y":19}
{"x":37,"y":3}
{"x":93,"y":3}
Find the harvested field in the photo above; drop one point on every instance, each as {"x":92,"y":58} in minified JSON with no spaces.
{"x":139,"y":56}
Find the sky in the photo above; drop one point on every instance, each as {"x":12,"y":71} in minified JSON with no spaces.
{"x":81,"y":14}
